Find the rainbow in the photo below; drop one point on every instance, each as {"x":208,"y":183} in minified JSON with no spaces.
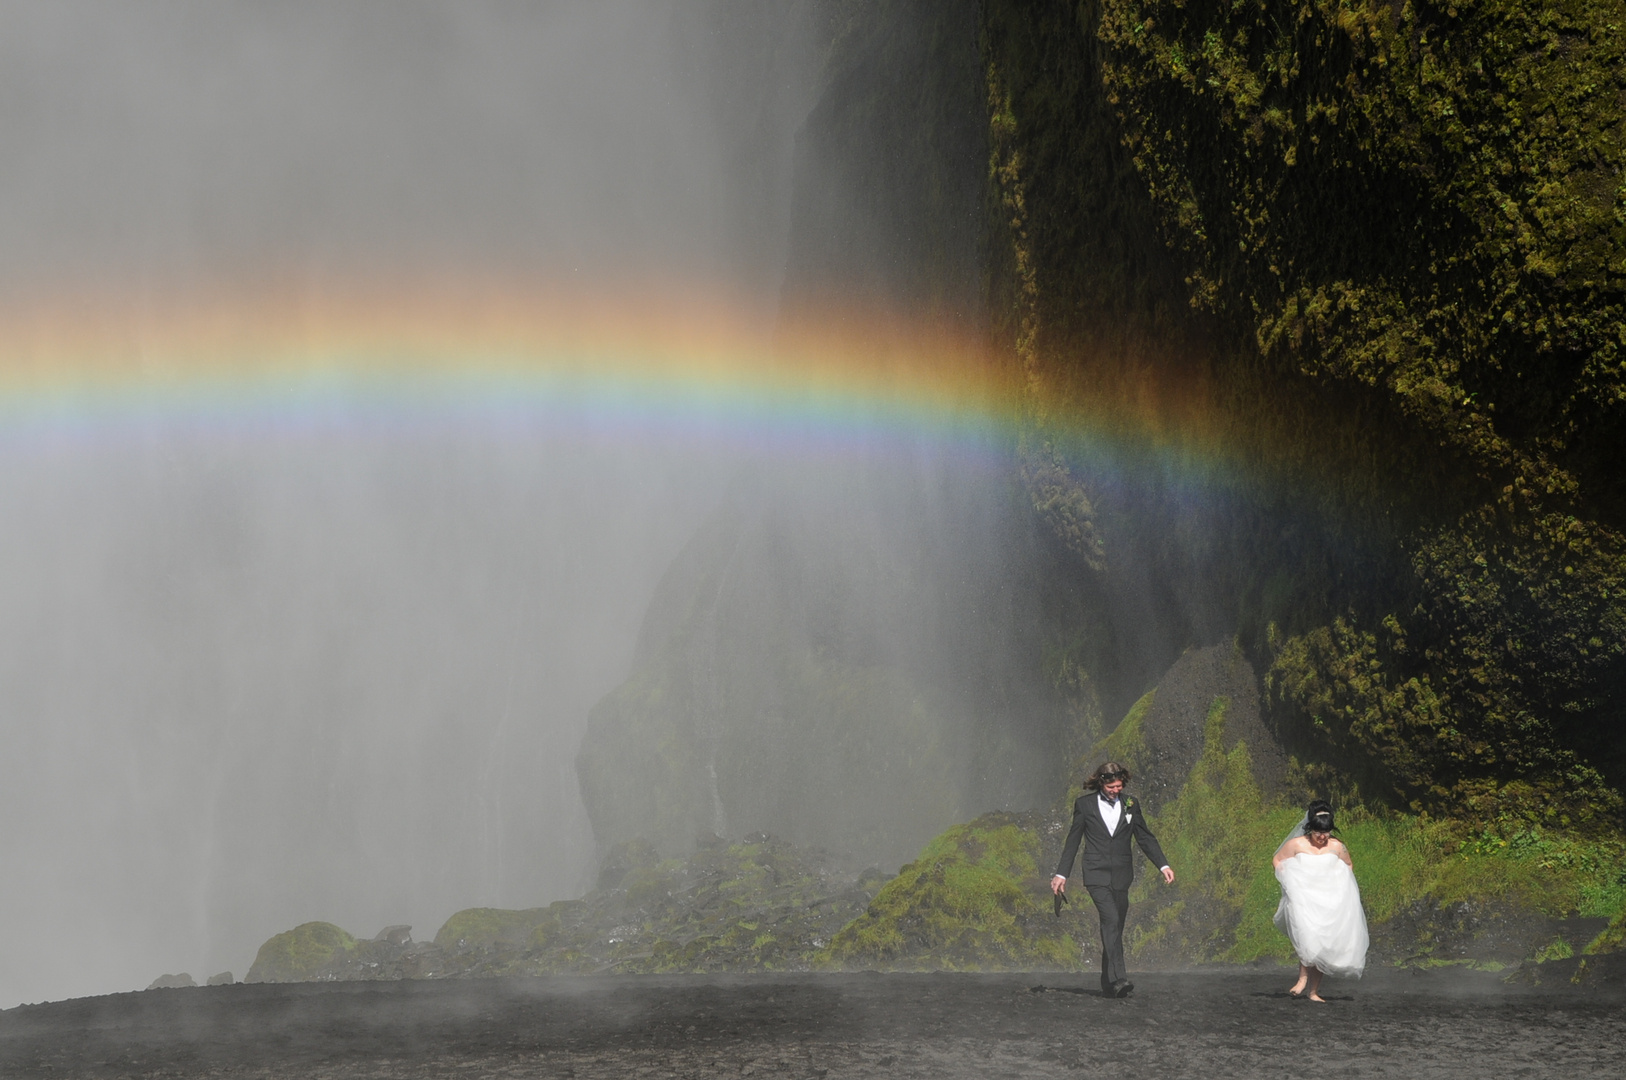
{"x":666,"y":362}
{"x":660,"y":364}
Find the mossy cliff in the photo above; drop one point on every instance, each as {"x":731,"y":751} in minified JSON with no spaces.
{"x":1359,"y":269}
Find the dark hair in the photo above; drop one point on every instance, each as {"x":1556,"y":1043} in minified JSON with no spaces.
{"x":1318,"y":817}
{"x":1104,"y":773}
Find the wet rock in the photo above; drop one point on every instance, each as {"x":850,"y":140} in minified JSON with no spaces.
{"x":171,"y":982}
{"x":1485,"y":934}
{"x":223,"y":979}
{"x":400,"y":934}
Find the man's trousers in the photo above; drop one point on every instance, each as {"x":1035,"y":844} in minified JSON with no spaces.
{"x":1113,"y":906}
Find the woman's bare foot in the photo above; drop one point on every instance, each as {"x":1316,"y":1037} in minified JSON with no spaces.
{"x":1298,"y":988}
{"x":1314,"y":976}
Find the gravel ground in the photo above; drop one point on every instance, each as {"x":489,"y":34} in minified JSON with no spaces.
{"x":1210,"y":1024}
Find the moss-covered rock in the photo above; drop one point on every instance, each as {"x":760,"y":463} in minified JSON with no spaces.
{"x":300,"y":954}
{"x":1215,"y":833}
{"x":490,"y":928}
{"x":757,"y":905}
{"x":976,"y":898}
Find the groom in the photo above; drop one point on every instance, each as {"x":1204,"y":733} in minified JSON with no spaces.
{"x":1108,"y":817}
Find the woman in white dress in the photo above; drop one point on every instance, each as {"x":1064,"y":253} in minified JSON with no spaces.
{"x":1320,"y":911}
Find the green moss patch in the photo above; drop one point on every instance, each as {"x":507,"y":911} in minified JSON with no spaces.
{"x":299,"y":954}
{"x":1611,"y":939}
{"x":976,"y":898}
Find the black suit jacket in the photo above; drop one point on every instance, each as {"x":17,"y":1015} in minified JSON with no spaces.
{"x":1108,"y":860}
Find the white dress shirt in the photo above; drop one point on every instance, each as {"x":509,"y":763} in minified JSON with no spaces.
{"x":1111,"y":813}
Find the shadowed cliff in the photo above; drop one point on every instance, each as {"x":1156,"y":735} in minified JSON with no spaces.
{"x":842,"y":657}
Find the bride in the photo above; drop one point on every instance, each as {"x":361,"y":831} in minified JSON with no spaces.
{"x":1320,"y":910}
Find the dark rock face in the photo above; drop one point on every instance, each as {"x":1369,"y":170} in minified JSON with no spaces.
{"x":1172,"y":730}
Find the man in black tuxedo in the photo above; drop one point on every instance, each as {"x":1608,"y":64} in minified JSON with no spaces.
{"x":1108,"y":818}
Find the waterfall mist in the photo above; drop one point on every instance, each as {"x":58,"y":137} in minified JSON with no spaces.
{"x":324,"y":656}
{"x":256,"y":671}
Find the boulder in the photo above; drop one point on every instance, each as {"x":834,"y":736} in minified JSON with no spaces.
{"x":223,"y":979}
{"x":487,"y":928}
{"x":171,"y":982}
{"x":299,"y":954}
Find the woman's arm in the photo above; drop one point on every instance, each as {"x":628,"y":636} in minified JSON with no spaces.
{"x":1288,"y":849}
{"x":1343,"y":853}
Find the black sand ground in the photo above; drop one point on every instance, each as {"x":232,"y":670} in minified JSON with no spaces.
{"x":1208,"y":1024}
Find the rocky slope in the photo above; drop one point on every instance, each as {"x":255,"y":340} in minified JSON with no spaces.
{"x":757,"y":905}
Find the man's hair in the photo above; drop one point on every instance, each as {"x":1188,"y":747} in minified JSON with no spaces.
{"x":1104,"y":773}
{"x":1318,"y":817}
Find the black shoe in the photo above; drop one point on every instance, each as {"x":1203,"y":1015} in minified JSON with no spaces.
{"x":1122,"y":988}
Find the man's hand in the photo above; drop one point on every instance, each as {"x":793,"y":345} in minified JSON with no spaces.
{"x":1058,"y":884}
{"x":1168,"y":875}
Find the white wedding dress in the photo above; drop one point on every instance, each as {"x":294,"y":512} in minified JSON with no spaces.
{"x":1321,"y":913}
